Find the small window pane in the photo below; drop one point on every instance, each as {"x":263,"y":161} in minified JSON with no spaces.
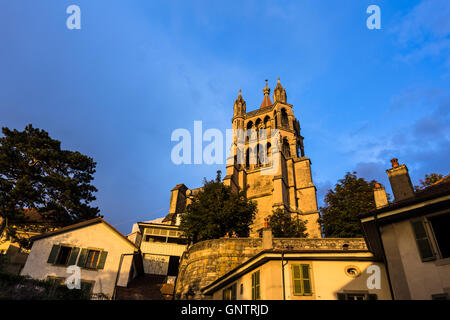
{"x":305,"y":271}
{"x":63,"y":255}
{"x":92,"y":259}
{"x":306,"y":286}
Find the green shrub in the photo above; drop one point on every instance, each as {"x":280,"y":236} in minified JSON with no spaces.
{"x":15,"y":287}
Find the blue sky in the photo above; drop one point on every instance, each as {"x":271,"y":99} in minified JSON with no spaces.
{"x":137,"y":70}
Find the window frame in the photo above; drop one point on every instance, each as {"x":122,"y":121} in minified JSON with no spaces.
{"x":87,"y":256}
{"x":230,"y":293}
{"x":432,"y":236}
{"x":430,"y":240}
{"x":61,"y":245}
{"x":256,"y":285}
{"x":301,"y":279}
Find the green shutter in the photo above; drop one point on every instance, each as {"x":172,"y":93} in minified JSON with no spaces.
{"x":423,"y":242}
{"x":233,"y":292}
{"x":307,"y":290}
{"x":296,"y":280}
{"x":257,"y":287}
{"x":101,"y":262}
{"x":83,"y":257}
{"x":253,"y":287}
{"x":53,"y":254}
{"x":73,"y":256}
{"x":301,"y":280}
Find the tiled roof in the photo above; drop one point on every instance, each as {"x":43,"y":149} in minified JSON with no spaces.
{"x":79,"y":225}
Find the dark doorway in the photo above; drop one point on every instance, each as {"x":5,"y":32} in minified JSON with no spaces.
{"x":174,"y":262}
{"x":441,"y":225}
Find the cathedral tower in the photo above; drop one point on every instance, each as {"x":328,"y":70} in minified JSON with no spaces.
{"x":272,"y":166}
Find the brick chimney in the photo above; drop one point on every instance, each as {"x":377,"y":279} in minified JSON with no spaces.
{"x":379,"y":193}
{"x":267,"y":236}
{"x":400,"y":181}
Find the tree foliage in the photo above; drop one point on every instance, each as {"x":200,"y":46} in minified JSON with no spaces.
{"x":283,"y":226}
{"x":429,"y":180}
{"x":35,"y":173}
{"x":350,"y":197}
{"x":215,"y":210}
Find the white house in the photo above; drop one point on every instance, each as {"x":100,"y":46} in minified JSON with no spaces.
{"x":161,"y":245}
{"x":106,"y":258}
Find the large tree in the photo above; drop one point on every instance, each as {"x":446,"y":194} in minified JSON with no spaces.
{"x":429,"y":180}
{"x":350,"y":197}
{"x":216,"y":210}
{"x":284,"y":226}
{"x":37,"y":176}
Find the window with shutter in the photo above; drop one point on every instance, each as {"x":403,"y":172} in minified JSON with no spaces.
{"x":233,"y":292}
{"x":53,"y":253}
{"x":301,"y":280}
{"x":83,"y":257}
{"x":74,"y":256}
{"x":63,"y":256}
{"x":440,"y":224}
{"x":102,"y":261}
{"x":422,"y":240}
{"x":296,"y":279}
{"x":256,"y":286}
{"x":229,"y":293}
{"x":92,"y":259}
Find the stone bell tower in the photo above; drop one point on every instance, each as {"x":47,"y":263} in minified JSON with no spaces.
{"x":267,"y":156}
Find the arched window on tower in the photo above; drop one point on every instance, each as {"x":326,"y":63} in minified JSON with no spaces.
{"x":247,"y":159}
{"x":250,"y":131}
{"x":286,"y":148}
{"x":258,"y":155}
{"x":284,"y":118}
{"x":269,"y":154}
{"x":258,"y":127}
{"x":275,"y":116}
{"x":266,"y":122}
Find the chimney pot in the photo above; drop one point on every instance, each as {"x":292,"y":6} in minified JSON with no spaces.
{"x":400,"y":181}
{"x":394,"y":163}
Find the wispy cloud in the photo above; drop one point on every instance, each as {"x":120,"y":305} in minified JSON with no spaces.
{"x":424,"y":32}
{"x":424,"y":143}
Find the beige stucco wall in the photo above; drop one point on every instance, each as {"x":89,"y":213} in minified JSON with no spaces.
{"x":328,"y":278}
{"x":423,"y":279}
{"x":95,"y":236}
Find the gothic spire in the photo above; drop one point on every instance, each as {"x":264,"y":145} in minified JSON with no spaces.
{"x":266,"y":100}
{"x":239,"y":105}
{"x":279,"y":94}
